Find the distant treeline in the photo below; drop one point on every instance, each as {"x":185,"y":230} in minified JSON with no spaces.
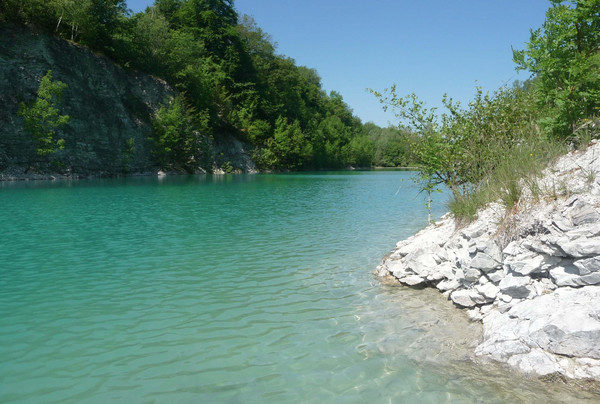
{"x":230,"y":79}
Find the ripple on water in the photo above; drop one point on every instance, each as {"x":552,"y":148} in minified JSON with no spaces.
{"x":238,"y":289}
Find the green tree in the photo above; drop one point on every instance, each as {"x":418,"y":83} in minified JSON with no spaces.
{"x":102,"y":23}
{"x":391,"y":145}
{"x":177,"y":138}
{"x":359,"y":152}
{"x":564,"y":56}
{"x":150,"y":40}
{"x":42,"y":118}
{"x":70,"y":15}
{"x":288,"y":147}
{"x":463,"y":146}
{"x":229,"y":72}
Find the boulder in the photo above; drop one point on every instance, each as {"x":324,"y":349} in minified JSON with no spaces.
{"x":542,"y":246}
{"x":412,"y":280}
{"x":478,"y":297}
{"x":562,"y":223}
{"x":513,"y":248}
{"x":496,"y":276}
{"x":472,"y":275}
{"x":489,"y":291}
{"x":580,"y":247}
{"x":462,"y":298}
{"x":587,"y":266}
{"x":583,"y":213}
{"x":528,"y":263}
{"x":421,"y":262}
{"x":569,"y":275}
{"x":484,"y":262}
{"x":515,"y":286}
{"x":537,"y":362}
{"x":449,"y":284}
{"x":565,"y":322}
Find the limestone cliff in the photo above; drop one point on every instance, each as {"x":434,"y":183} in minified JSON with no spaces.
{"x":532,"y":277}
{"x":110,"y":111}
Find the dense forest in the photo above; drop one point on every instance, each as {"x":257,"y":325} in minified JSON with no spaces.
{"x":230,"y":81}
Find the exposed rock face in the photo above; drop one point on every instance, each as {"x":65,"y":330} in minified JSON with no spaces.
{"x":110,"y":111}
{"x":232,"y":154}
{"x":110,"y":108}
{"x":533,"y":278}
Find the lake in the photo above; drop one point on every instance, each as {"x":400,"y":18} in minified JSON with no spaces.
{"x":230,"y":289}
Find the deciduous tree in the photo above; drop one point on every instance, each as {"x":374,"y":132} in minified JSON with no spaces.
{"x":564,"y":56}
{"x":42,"y":118}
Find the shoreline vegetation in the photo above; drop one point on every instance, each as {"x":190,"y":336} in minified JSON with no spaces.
{"x":497,"y":145}
{"x":59,"y":177}
{"x":519,"y":248}
{"x":185,"y":86}
{"x":230,"y":103}
{"x":530,"y":276}
{"x":225,"y":101}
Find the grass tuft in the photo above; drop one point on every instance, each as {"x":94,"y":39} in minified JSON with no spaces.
{"x":515,"y":176}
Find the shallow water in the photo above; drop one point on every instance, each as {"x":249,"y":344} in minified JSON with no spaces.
{"x":235,"y":289}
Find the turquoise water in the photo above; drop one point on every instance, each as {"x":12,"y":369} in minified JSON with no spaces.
{"x":233,"y":289}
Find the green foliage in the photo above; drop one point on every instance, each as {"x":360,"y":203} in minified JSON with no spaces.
{"x":392,"y":147}
{"x":482,"y":153}
{"x":227,"y":167}
{"x":359,"y":152}
{"x":461,"y":147}
{"x":42,"y":118}
{"x":493,"y":149}
{"x":515,"y":176}
{"x":288,"y":148}
{"x":564,"y":57}
{"x":229,"y":71}
{"x":177,"y":137}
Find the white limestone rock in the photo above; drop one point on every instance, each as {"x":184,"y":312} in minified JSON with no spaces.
{"x":565,"y":322}
{"x":537,"y":362}
{"x":447,"y":270}
{"x":587,"y":266}
{"x":586,"y":368}
{"x":472,"y":275}
{"x":583,"y":213}
{"x":543,"y":245}
{"x":489,"y":291}
{"x":448,"y":285}
{"x":580,"y":247}
{"x":515,"y":286}
{"x":496,"y":276}
{"x":513,"y":248}
{"x":484,"y":262}
{"x":569,"y":275}
{"x":535,"y":285}
{"x":412,"y":280}
{"x":531,"y":263}
{"x":463,"y":298}
{"x":421,"y":262}
{"x":478,"y":297}
{"x":562,"y":223}
{"x":475,"y":314}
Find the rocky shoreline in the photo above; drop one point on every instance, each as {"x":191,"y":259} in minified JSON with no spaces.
{"x":531,"y":276}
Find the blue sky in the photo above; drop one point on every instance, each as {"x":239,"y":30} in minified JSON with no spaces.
{"x":429,"y":47}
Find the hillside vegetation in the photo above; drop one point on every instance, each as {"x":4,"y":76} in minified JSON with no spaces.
{"x":229,"y":81}
{"x":494,"y":147}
